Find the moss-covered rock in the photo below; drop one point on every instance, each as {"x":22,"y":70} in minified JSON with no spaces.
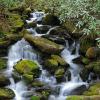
{"x":83,"y":98}
{"x":4,"y":81}
{"x":93,"y":90}
{"x":51,"y":64}
{"x":44,"y":45}
{"x":85,"y":45}
{"x":59,"y":74}
{"x":85,"y":60}
{"x":3,"y":63}
{"x":38,"y":84}
{"x":94,"y":66}
{"x":29,"y":67}
{"x":35,"y":98}
{"x":93,"y":52}
{"x":60,"y":60}
{"x":28,"y":77}
{"x":6,"y":94}
{"x":16,"y":23}
{"x":51,"y":20}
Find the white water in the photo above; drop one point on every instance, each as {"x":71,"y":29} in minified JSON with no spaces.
{"x":67,"y":87}
{"x":22,"y":50}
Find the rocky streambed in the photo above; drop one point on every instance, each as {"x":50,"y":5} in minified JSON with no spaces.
{"x":46,"y":62}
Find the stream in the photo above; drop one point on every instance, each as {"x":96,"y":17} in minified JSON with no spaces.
{"x":23,"y":50}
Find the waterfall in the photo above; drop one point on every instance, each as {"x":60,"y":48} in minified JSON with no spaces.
{"x":75,"y":82}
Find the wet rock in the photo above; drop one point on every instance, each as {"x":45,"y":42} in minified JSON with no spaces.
{"x":55,"y":38}
{"x":32,"y":24}
{"x":37,"y":84}
{"x":77,"y":60}
{"x":93,"y":90}
{"x":3,"y":63}
{"x":44,"y":45}
{"x":16,"y":22}
{"x":59,"y":74}
{"x":28,"y":78}
{"x":85,"y":45}
{"x":83,"y":97}
{"x":84,"y":74}
{"x":94,"y":66}
{"x":60,"y":32}
{"x":6,"y":94}
{"x":85,"y":60}
{"x":93,"y":52}
{"x":51,"y":20}
{"x":35,"y":98}
{"x":4,"y":80}
{"x":60,"y":60}
{"x":27,"y":67}
{"x":68,"y":75}
{"x":42,"y":29}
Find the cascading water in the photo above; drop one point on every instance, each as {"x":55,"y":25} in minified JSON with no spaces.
{"x":68,"y":87}
{"x":22,"y":50}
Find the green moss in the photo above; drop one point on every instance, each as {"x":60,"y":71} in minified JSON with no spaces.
{"x":15,"y":21}
{"x":3,"y":63}
{"x":26,"y":67}
{"x":59,"y":72}
{"x":60,"y":60}
{"x":28,"y":78}
{"x":93,"y":90}
{"x":44,"y":45}
{"x":75,"y":98}
{"x":6,"y":94}
{"x":85,"y":61}
{"x":35,"y":98}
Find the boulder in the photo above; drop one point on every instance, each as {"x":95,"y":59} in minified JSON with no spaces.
{"x":44,"y":45}
{"x":35,"y":98}
{"x":4,"y":80}
{"x":3,"y":63}
{"x":27,"y":68}
{"x":93,"y":52}
{"x":50,"y":19}
{"x":6,"y":94}
{"x":94,"y":89}
{"x":83,"y":97}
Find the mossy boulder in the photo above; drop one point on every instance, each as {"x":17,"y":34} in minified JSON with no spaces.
{"x":85,"y":45}
{"x":6,"y":94}
{"x":44,"y":44}
{"x":85,"y":60}
{"x":94,"y":66}
{"x":16,"y":23}
{"x":37,"y":83}
{"x":93,"y":52}
{"x":3,"y":63}
{"x":59,"y":74}
{"x":60,"y":60}
{"x":4,"y":81}
{"x":93,"y":90}
{"x":50,"y":19}
{"x":83,"y":97}
{"x":51,"y":64}
{"x":27,"y":68}
{"x":28,"y":77}
{"x":35,"y":98}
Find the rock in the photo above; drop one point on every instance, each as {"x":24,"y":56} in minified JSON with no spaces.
{"x":27,"y":67}
{"x":84,"y":74}
{"x":94,"y":66}
{"x":50,"y":19}
{"x":4,"y":81}
{"x":32,"y":24}
{"x":28,"y":78}
{"x":55,"y":38}
{"x":16,"y":22}
{"x":68,"y":75}
{"x":85,"y":45}
{"x":85,"y":60}
{"x":58,"y":31}
{"x":51,"y":64}
{"x":83,"y":97}
{"x":72,"y":29}
{"x":42,"y":29}
{"x":6,"y":94}
{"x":60,"y":60}
{"x":77,"y":60}
{"x":3,"y":63}
{"x":37,"y":84}
{"x":44,"y":45}
{"x":93,"y":90}
{"x":59,"y":74}
{"x":35,"y":98}
{"x":92,"y":52}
